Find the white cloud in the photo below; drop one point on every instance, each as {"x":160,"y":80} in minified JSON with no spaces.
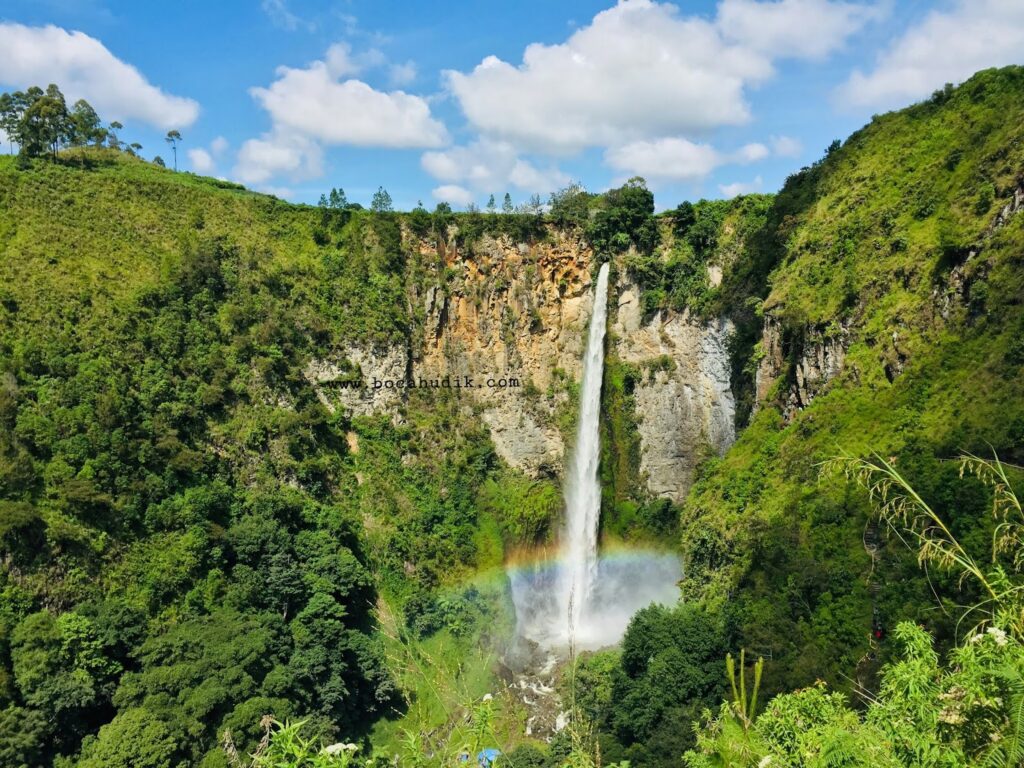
{"x":201,"y":160}
{"x":491,"y":166}
{"x":751,"y":153}
{"x":529,"y":177}
{"x":452,"y":193}
{"x":808,"y":29}
{"x":281,"y":16}
{"x":641,"y":70}
{"x":741,"y":187}
{"x":946,"y":46}
{"x":204,"y":161}
{"x":219,"y":145}
{"x":402,"y":74}
{"x":84,"y":68}
{"x":638,"y":70}
{"x":317,"y":104}
{"x":274,"y":154}
{"x":786,"y":146}
{"x":678,"y":159}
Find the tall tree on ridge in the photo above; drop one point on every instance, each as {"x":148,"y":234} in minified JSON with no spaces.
{"x":85,"y":125}
{"x":381,"y":202}
{"x":112,"y":139}
{"x":9,"y":118}
{"x":173,"y":137}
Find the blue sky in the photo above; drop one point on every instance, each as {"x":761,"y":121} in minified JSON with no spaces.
{"x":457,"y":101}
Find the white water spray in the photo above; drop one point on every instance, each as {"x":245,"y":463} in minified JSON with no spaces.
{"x":582,"y":489}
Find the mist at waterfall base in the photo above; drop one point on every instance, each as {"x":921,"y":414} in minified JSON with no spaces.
{"x":625,"y":581}
{"x":580,"y":599}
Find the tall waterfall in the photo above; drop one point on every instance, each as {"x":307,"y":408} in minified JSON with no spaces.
{"x":582,"y":489}
{"x":581,"y":599}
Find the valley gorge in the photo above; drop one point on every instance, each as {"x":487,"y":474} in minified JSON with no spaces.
{"x":270,"y":468}
{"x":521,"y":310}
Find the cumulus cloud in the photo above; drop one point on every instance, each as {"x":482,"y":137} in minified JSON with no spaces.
{"x":741,"y":187}
{"x":84,"y":68}
{"x":219,"y":145}
{"x":453,"y":194}
{"x":274,"y":154}
{"x":491,"y":166}
{"x":786,"y":146}
{"x":665,"y":158}
{"x":201,"y":160}
{"x":319,"y":104}
{"x":751,"y":153}
{"x":678,"y":159}
{"x":402,"y":74}
{"x":946,"y":46}
{"x":642,"y":70}
{"x":204,"y":160}
{"x":808,"y":29}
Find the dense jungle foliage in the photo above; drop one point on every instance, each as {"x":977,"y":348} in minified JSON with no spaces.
{"x":190,"y":539}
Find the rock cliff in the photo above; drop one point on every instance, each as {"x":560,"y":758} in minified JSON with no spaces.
{"x":517,"y":313}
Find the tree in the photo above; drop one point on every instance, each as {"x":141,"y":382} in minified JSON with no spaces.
{"x":671,"y":666}
{"x":159,"y":161}
{"x":172,"y":138}
{"x":112,"y":139}
{"x":337,"y":199}
{"x":135,"y":147}
{"x":683,"y":217}
{"x":506,"y":205}
{"x":136,"y":738}
{"x":45,"y":124}
{"x":60,"y":668}
{"x":381,"y":202}
{"x":626,"y":219}
{"x":570,"y":206}
{"x":490,"y":204}
{"x":85,"y":125}
{"x":9,"y":118}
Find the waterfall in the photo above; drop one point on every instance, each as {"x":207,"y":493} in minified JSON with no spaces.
{"x":581,"y":600}
{"x":582,"y":489}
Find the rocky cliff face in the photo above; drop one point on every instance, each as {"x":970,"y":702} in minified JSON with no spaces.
{"x":808,"y":359}
{"x":806,"y":364}
{"x":519,"y":313}
{"x":684,"y":402}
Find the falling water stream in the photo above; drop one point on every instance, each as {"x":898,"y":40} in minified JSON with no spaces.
{"x":583,"y":599}
{"x":582,"y":489}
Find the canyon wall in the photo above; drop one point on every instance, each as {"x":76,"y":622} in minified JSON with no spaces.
{"x":519,"y":313}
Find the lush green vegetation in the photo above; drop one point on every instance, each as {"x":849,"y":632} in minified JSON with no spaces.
{"x":191,"y":539}
{"x":967,"y":712}
{"x":926,"y":299}
{"x":190,"y":542}
{"x":857,"y":257}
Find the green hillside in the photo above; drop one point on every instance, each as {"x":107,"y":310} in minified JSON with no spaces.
{"x":190,"y":539}
{"x":894,"y":242}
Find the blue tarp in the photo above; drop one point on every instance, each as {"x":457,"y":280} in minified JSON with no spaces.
{"x":487,"y":757}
